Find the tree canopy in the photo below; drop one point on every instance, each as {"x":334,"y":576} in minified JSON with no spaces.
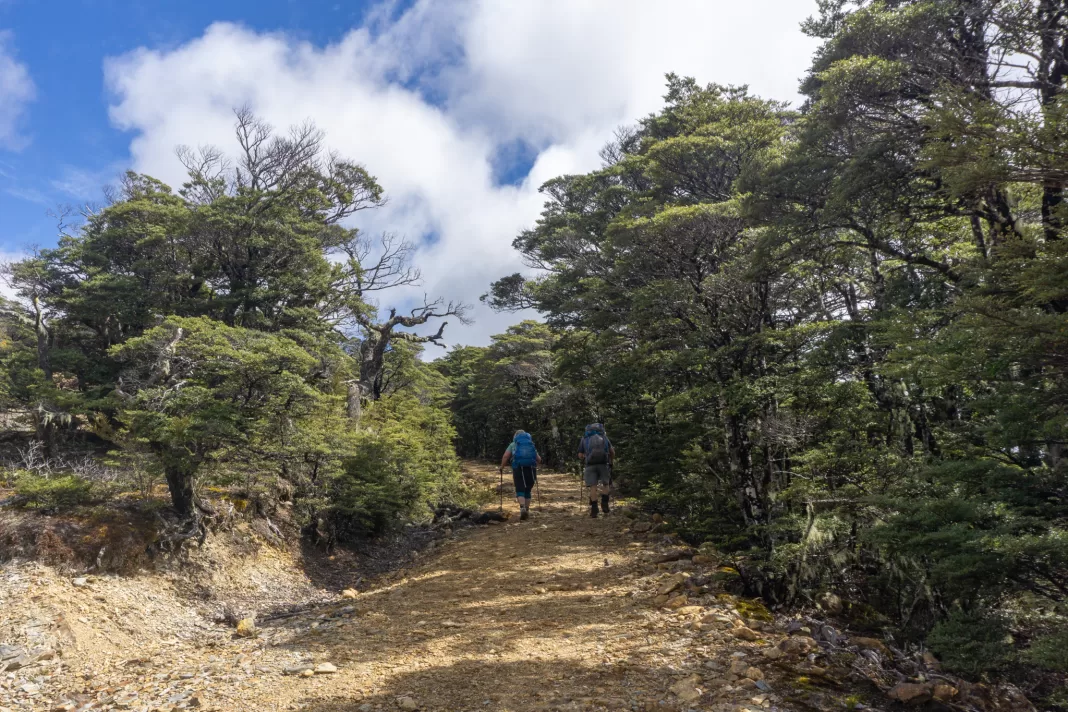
{"x":832,"y":339}
{"x":232,"y":328}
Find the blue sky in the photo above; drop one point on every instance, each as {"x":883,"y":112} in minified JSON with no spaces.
{"x":462,"y":108}
{"x":73,"y":150}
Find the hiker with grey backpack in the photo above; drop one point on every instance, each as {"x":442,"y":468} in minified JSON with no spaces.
{"x":524,"y":459}
{"x":598,"y":456}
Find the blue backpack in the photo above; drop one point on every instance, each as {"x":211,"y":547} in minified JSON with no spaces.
{"x":524,"y":454}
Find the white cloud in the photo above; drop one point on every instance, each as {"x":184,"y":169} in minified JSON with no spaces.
{"x":16,"y":92}
{"x":6,"y":257}
{"x":427,"y":100}
{"x":84,"y":184}
{"x":30,"y":195}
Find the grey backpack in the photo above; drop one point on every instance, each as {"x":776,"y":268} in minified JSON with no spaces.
{"x":596,"y":445}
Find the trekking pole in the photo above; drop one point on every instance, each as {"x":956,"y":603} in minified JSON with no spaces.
{"x":500,"y":488}
{"x":582,"y":488}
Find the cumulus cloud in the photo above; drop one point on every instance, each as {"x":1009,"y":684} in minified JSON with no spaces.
{"x":16,"y":92}
{"x":7,"y":257}
{"x":429,"y":100}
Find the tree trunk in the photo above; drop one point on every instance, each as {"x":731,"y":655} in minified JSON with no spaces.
{"x":180,"y":475}
{"x":44,"y":340}
{"x":354,"y":402}
{"x":740,"y":456}
{"x":44,"y":425}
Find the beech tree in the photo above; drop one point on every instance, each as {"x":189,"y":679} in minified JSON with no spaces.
{"x":188,"y":322}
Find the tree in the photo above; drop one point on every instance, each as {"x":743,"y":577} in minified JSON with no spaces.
{"x":830,"y":341}
{"x":33,"y":384}
{"x":198,"y":391}
{"x":366,"y":273}
{"x":510,"y":385}
{"x":223,"y":325}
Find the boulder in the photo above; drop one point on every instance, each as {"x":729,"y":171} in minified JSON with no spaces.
{"x":325,"y":669}
{"x":754,"y":674}
{"x":407,"y":704}
{"x":246,"y":628}
{"x":831,"y":603}
{"x":686,"y":689}
{"x":677,"y":602}
{"x":671,"y":583}
{"x":870,"y":644}
{"x":743,"y":633}
{"x":28,"y":658}
{"x":944,"y":692}
{"x":350,"y":593}
{"x":911,"y":693}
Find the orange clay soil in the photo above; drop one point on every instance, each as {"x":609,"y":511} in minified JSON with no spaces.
{"x":556,"y":612}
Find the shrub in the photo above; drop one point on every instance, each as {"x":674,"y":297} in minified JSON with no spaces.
{"x":56,"y":492}
{"x":1049,"y":651}
{"x":403,"y":463}
{"x":971,"y":643}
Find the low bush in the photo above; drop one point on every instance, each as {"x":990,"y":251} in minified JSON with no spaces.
{"x":1049,"y":651}
{"x":52,"y":492}
{"x":971,"y":643}
{"x":403,"y":464}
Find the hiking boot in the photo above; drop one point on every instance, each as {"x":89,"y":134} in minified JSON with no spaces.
{"x":593,"y":510}
{"x":604,"y":503}
{"x":523,"y":514}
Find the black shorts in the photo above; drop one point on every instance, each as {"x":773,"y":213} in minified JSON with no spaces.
{"x":524,"y":478}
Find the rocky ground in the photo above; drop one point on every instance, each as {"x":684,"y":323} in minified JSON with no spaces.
{"x":560,"y":612}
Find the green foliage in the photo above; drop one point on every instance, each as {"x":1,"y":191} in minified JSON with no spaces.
{"x":511,"y":385}
{"x":57,"y":492}
{"x":20,"y":375}
{"x":1049,"y":651}
{"x":832,"y":341}
{"x":402,"y":464}
{"x":207,"y":391}
{"x":971,"y":643}
{"x":220,"y":336}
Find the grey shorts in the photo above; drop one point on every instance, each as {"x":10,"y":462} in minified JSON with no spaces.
{"x":597,"y":474}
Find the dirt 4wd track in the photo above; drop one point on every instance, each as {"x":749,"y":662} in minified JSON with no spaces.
{"x":555,"y":613}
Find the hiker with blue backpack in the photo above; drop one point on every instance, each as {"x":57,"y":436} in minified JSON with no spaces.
{"x":524,"y":458}
{"x":598,"y":456}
